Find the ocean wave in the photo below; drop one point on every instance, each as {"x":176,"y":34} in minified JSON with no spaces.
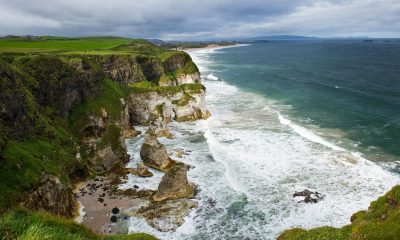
{"x":308,"y":134}
{"x":212,"y":77}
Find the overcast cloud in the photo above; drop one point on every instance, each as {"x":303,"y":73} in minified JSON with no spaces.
{"x":190,"y":19}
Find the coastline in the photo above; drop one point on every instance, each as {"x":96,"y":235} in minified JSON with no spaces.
{"x":239,"y":187}
{"x":213,"y":47}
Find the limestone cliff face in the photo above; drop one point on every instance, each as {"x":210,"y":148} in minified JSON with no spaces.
{"x":184,"y":105}
{"x":126,"y":69}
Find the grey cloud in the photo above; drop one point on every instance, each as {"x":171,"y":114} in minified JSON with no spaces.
{"x":192,"y":19}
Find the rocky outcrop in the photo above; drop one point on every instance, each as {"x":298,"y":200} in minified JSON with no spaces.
{"x":184,"y":105}
{"x":53,"y":196}
{"x":153,"y":153}
{"x":174,"y":184}
{"x":166,"y":216}
{"x":169,"y":206}
{"x":143,"y":171}
{"x":104,"y":136}
{"x":308,"y":196}
{"x":189,"y":78}
{"x":126,"y":69}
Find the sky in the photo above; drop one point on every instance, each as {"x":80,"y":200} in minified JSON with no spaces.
{"x":201,"y":19}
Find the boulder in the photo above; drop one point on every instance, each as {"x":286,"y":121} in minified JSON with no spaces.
{"x":53,"y":196}
{"x":153,"y":153}
{"x":174,"y":184}
{"x":166,"y":216}
{"x":308,"y":196}
{"x":143,"y":171}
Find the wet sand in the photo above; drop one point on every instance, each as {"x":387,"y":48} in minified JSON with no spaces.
{"x":97,"y":202}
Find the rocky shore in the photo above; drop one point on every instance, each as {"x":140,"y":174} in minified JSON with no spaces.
{"x":165,"y":208}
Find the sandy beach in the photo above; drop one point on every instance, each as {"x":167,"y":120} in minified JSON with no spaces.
{"x":97,"y":201}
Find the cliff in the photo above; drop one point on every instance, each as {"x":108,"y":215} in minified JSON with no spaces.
{"x":65,"y":114}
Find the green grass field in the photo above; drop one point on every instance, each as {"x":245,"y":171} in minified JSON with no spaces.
{"x":51,"y":44}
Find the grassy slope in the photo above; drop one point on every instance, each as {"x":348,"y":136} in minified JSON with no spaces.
{"x":49,"y":145}
{"x":380,"y":222}
{"x":26,"y":225}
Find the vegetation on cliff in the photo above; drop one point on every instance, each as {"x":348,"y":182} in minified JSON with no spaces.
{"x":27,"y":225}
{"x":34,"y":135}
{"x":145,"y":87}
{"x":381,"y":221}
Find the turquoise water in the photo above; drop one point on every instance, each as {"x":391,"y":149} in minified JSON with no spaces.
{"x":351,"y":86}
{"x":286,"y":116}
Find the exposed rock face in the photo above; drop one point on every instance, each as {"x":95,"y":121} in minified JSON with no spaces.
{"x":174,"y":184}
{"x":182,"y":79}
{"x":105,"y":136}
{"x":127,"y":69}
{"x":105,"y":160}
{"x":181,"y":106}
{"x":121,"y":69}
{"x":143,"y":171}
{"x":53,"y":196}
{"x":194,"y":109}
{"x":308,"y":196}
{"x":153,"y":153}
{"x":166,"y":216}
{"x":189,"y":78}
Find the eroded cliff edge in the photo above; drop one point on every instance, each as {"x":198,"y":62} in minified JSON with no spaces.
{"x":64,"y":117}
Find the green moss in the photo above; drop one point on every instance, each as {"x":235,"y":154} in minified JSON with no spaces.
{"x":145,"y":87}
{"x":108,"y":98}
{"x":189,"y":66}
{"x":184,"y":100}
{"x":160,"y":109}
{"x":380,"y":221}
{"x":165,"y":80}
{"x":24,"y":162}
{"x":111,"y":137}
{"x":26,"y":225}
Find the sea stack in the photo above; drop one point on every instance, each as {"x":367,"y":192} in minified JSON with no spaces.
{"x":153,"y":153}
{"x":174,"y":184}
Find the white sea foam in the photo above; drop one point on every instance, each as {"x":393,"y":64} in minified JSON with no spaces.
{"x":308,"y":134}
{"x":81,"y":214}
{"x":212,"y":77}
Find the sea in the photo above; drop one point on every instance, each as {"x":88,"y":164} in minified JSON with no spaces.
{"x":286,"y":116}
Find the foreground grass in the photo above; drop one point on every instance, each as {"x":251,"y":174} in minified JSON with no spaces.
{"x":380,"y":222}
{"x":26,"y":225}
